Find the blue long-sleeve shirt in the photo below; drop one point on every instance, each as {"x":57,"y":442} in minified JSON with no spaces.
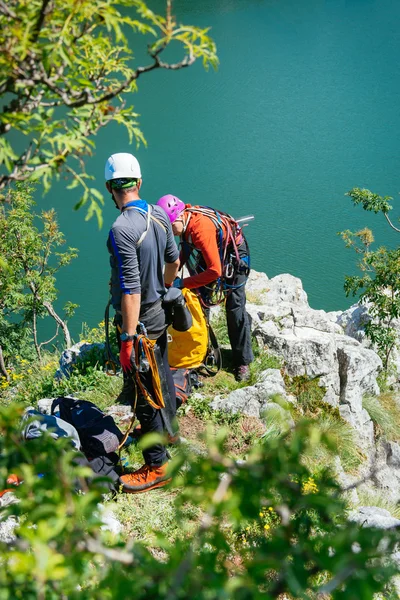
{"x":139,"y":270}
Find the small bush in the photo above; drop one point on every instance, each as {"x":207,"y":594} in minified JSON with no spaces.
{"x":308,"y":392}
{"x":37,"y":380}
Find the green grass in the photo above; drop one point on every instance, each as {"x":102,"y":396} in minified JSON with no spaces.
{"x":341,"y":434}
{"x":218,"y":323}
{"x":310,"y":403}
{"x":255,"y":297}
{"x":385,"y":413}
{"x":277,"y":421}
{"x":38,"y":382}
{"x":146,"y":515}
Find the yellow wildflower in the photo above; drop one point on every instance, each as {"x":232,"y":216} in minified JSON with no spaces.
{"x":309,"y":486}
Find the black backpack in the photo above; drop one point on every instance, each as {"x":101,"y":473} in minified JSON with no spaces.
{"x":98,"y":433}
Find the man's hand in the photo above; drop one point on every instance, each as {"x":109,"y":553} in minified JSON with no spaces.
{"x":127,"y":356}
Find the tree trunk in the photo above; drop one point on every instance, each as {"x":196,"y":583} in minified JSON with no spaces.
{"x":3,"y":366}
{"x":34,"y":331}
{"x":60,"y":322}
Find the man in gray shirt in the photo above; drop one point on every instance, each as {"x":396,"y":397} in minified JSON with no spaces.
{"x":140,"y":243}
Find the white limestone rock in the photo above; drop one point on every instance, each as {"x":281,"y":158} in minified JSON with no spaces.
{"x":387,"y":469}
{"x":358,"y":369}
{"x":312,"y":343}
{"x":353,"y":320}
{"x":253,"y":400}
{"x":373,"y":516}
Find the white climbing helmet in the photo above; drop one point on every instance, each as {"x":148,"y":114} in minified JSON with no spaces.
{"x":122,"y":165}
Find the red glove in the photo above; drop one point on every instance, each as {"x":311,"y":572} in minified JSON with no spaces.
{"x":127,"y":356}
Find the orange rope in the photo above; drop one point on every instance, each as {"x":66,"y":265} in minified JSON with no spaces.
{"x":143,"y":343}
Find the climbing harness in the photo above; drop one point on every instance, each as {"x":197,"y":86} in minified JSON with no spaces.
{"x":232,"y":263}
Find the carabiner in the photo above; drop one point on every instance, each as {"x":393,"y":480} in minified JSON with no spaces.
{"x":229,"y":271}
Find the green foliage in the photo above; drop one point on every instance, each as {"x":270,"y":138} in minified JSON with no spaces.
{"x":310,"y":403}
{"x":382,"y":291}
{"x":29,"y":246}
{"x":55,"y":520}
{"x":260,"y":529}
{"x":67,"y":70}
{"x":145,"y":515}
{"x":15,"y":338}
{"x":369,"y":200}
{"x":88,"y":382}
{"x":277,"y":421}
{"x":380,"y":284}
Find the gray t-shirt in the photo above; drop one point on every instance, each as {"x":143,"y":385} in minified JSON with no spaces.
{"x":139,"y":270}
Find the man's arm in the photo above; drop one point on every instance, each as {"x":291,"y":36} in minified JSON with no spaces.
{"x":130,"y":308}
{"x":171,"y":271}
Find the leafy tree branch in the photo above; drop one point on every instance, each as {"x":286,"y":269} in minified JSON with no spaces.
{"x":372,"y":202}
{"x":67,"y":70}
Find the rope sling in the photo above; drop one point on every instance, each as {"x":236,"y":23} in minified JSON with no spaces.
{"x":217,"y":291}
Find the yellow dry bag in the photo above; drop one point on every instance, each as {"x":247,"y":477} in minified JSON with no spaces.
{"x":188,"y":349}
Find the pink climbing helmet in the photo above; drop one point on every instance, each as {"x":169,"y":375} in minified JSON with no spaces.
{"x":172,"y":206}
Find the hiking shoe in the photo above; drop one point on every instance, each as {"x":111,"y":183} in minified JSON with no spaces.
{"x":145,"y":479}
{"x":243,"y":373}
{"x":14,"y":479}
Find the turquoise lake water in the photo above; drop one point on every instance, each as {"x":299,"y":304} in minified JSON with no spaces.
{"x":303,"y":107}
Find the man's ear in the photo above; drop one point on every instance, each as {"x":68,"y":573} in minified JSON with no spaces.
{"x":108,"y":186}
{"x":139,"y":184}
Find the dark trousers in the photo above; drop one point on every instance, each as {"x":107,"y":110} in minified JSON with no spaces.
{"x":150,"y":419}
{"x":238,"y":323}
{"x":237,"y":319}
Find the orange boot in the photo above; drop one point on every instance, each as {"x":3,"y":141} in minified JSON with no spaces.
{"x":11,"y":480}
{"x":144,"y":479}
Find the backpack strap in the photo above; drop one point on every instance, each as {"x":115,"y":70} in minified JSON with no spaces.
{"x":149,"y":215}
